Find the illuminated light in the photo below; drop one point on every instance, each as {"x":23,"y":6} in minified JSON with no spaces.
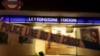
{"x":61,"y":29}
{"x":40,"y":24}
{"x":47,"y":29}
{"x":70,"y":25}
{"x":74,"y":30}
{"x":37,"y":27}
{"x":72,"y":34}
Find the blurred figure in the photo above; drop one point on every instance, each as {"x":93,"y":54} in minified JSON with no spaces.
{"x":41,"y":53}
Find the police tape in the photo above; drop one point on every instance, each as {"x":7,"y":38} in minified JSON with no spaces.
{"x":39,"y":34}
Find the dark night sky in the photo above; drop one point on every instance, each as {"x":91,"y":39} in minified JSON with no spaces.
{"x":60,"y":5}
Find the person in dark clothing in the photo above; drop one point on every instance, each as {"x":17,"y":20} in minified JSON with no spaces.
{"x":41,"y":53}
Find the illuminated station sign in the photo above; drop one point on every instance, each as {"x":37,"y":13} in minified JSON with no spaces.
{"x":43,"y":19}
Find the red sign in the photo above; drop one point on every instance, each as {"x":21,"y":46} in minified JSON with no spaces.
{"x":12,"y":4}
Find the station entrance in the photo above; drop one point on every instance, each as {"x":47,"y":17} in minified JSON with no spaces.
{"x":53,"y":39}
